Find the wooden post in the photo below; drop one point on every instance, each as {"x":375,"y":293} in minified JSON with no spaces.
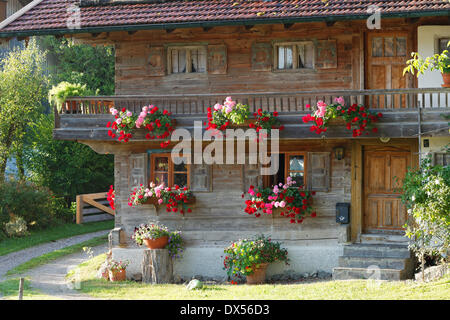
{"x":157,"y":266}
{"x":21,"y":282}
{"x":80,"y":209}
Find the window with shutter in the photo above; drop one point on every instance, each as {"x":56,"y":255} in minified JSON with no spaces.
{"x":201,"y":175}
{"x":251,"y":176}
{"x":138,"y":170}
{"x":319,"y":171}
{"x":294,"y":55}
{"x":187,"y":59}
{"x":441,"y":159}
{"x":164,"y":169}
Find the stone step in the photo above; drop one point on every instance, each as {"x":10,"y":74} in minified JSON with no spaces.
{"x":342,"y":273}
{"x":377,"y":251}
{"x":383,"y":263}
{"x":369,"y":238}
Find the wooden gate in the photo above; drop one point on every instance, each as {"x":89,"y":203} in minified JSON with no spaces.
{"x":92,"y":207}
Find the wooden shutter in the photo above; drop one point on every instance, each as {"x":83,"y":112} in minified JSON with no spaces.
{"x":2,"y":10}
{"x":138,"y":169}
{"x":201,"y":177}
{"x":156,"y":61}
{"x":318,"y":171}
{"x":251,"y":176}
{"x":441,"y":159}
{"x":217,"y":59}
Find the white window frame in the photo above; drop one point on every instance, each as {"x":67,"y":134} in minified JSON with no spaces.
{"x":188,"y":58}
{"x":295,"y":62}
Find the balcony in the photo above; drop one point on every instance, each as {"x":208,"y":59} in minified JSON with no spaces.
{"x":406,"y":112}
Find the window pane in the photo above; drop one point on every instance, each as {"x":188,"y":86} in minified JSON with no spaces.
{"x":180,"y":167}
{"x":162,"y":177}
{"x":388,"y":47}
{"x":194,"y":60}
{"x":401,"y":47}
{"x":289,"y":59}
{"x":298,"y":178}
{"x":443,"y":45}
{"x":174,"y":61}
{"x":296,"y":163}
{"x":198,"y":60}
{"x":280,"y":57}
{"x":181,"y":61}
{"x":180,"y":179}
{"x":377,"y":47}
{"x":162,"y":164}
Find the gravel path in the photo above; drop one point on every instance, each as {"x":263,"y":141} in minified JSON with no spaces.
{"x":12,"y":260}
{"x":50,"y":279}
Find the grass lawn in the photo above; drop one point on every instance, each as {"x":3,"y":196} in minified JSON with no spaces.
{"x":51,"y":256}
{"x":353,"y":289}
{"x":51,"y":234}
{"x":9,"y":289}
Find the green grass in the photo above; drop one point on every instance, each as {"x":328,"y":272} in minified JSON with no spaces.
{"x":353,"y":289}
{"x":9,"y":289}
{"x":51,"y":256}
{"x":52,"y":234}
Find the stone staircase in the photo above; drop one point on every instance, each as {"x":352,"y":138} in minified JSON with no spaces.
{"x":377,"y":256}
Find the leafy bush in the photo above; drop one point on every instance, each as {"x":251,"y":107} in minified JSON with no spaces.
{"x":16,"y":227}
{"x":245,"y":255}
{"x":36,"y":205}
{"x":426,"y":193}
{"x":68,"y":168}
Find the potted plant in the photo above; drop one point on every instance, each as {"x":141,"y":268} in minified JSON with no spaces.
{"x":227,"y":115}
{"x":117,"y":270}
{"x":439,"y":62}
{"x":59,"y":93}
{"x":250,"y":258}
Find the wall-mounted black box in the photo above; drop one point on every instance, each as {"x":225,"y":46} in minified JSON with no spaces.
{"x":342,"y":212}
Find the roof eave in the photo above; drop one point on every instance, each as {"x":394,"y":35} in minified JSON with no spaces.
{"x":200,"y":24}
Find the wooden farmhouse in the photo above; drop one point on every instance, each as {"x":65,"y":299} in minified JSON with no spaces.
{"x":186,"y":56}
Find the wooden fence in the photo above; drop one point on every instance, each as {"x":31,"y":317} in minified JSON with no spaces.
{"x":93,"y":207}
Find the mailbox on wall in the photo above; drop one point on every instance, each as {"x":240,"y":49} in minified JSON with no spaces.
{"x":343,"y":212}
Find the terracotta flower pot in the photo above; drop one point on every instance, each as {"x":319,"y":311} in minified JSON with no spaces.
{"x":259,"y":275}
{"x":118,"y":275}
{"x":446,"y":77}
{"x":159,"y":243}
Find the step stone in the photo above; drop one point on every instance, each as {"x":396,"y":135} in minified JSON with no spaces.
{"x":342,"y":273}
{"x":384,"y":239}
{"x":364,"y":262}
{"x":377,"y":251}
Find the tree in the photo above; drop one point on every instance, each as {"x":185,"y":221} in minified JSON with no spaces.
{"x":68,"y":168}
{"x":23,"y":86}
{"x":80,"y":63}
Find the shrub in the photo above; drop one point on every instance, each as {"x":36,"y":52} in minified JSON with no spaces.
{"x":245,"y":255}
{"x":16,"y":227}
{"x":36,"y":205}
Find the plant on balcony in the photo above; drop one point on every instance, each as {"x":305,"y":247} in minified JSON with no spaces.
{"x":157,"y":122}
{"x":439,"y":62}
{"x":58,"y":94}
{"x":110,"y":196}
{"x":157,"y":235}
{"x":357,"y":117}
{"x":176,"y":199}
{"x":230,"y":113}
{"x":266,"y":120}
{"x":295,"y":202}
{"x":250,"y":258}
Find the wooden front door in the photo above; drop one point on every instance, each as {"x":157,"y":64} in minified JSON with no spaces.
{"x":386,"y":55}
{"x":383,"y":209}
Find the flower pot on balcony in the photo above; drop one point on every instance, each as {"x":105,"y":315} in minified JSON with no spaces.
{"x":446,"y":77}
{"x":259,"y":274}
{"x":154,"y":200}
{"x":245,"y":124}
{"x":159,"y":243}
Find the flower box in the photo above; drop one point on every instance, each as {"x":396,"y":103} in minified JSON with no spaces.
{"x":154,"y":200}
{"x":245,"y":124}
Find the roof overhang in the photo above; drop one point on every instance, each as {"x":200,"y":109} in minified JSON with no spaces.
{"x":202,"y":24}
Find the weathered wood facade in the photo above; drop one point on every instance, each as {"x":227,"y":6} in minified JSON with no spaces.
{"x":338,"y":58}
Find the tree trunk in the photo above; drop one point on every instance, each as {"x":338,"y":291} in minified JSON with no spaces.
{"x":5,"y":147}
{"x":157,"y":266}
{"x":19,"y":162}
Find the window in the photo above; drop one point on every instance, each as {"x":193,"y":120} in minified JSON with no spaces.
{"x":443,"y":44}
{"x":292,"y":164}
{"x":389,"y":47}
{"x":294,"y":55}
{"x":163,"y":169}
{"x":187,"y":60}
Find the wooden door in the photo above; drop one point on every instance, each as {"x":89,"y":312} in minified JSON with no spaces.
{"x":386,"y":55}
{"x":383,"y":209}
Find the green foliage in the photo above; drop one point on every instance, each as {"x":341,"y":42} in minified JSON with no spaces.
{"x":439,"y":62}
{"x":68,"y":168}
{"x":59,"y":93}
{"x":245,"y":255}
{"x":23,"y":86}
{"x":80,"y":63}
{"x":36,"y":205}
{"x":426,"y":192}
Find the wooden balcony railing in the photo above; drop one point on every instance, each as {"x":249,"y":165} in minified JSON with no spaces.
{"x":272,"y":101}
